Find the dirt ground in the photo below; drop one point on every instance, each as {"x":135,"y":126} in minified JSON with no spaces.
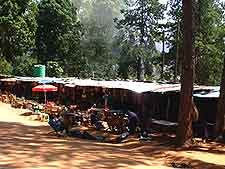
{"x":27,"y":144}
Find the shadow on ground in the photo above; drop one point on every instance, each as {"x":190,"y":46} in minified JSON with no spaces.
{"x":23,"y":146}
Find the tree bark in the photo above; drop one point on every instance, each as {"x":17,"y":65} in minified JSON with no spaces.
{"x":184,"y":130}
{"x":163,"y":55}
{"x":197,"y":16}
{"x":177,"y":52}
{"x":221,"y":105}
{"x":140,"y":68}
{"x":140,"y":64}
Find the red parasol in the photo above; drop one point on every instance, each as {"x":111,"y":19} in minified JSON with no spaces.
{"x":44,"y":88}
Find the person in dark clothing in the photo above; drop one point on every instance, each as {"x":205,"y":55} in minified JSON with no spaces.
{"x":132,"y":121}
{"x":94,"y":118}
{"x":104,"y":99}
{"x":224,"y":136}
{"x":56,"y":123}
{"x":107,"y":98}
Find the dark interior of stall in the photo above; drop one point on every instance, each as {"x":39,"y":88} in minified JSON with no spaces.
{"x":87,"y":96}
{"x":207,"y":108}
{"x":160,"y":106}
{"x":157,"y":105}
{"x":23,"y":89}
{"x":7,"y":87}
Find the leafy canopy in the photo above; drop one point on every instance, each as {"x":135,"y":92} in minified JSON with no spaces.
{"x":139,"y":32}
{"x":58,"y":33}
{"x":17,"y":28}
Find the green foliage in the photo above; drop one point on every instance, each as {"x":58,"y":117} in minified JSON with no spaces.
{"x":209,"y":26}
{"x":58,"y":33}
{"x":174,"y":39}
{"x":138,"y":27}
{"x":80,"y":38}
{"x":128,"y":60}
{"x":5,"y":67}
{"x":101,"y":71}
{"x":141,"y":20}
{"x":23,"y":65}
{"x":99,"y":60}
{"x":209,"y":39}
{"x":17,"y":27}
{"x":54,"y":69}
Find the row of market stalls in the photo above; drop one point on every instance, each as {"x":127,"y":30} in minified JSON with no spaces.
{"x":157,"y":100}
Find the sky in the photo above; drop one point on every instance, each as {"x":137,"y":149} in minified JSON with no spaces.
{"x":163,"y":1}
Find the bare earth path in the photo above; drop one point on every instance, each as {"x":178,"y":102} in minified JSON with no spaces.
{"x":26,"y":144}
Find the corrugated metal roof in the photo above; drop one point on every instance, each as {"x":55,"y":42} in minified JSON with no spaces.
{"x":138,"y":87}
{"x":8,"y":80}
{"x":208,"y":95}
{"x":40,"y":79}
{"x":214,"y":92}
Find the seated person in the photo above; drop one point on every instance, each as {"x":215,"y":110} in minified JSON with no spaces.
{"x":55,"y":123}
{"x":73,"y":108}
{"x":67,"y":119}
{"x":132,"y":121}
{"x":95,"y":121}
{"x":94,"y":118}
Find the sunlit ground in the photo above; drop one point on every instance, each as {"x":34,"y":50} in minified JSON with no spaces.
{"x":27,"y":144}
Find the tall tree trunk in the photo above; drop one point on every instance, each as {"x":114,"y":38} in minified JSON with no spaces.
{"x":184,"y":130}
{"x":221,"y":105}
{"x":140,"y":64}
{"x":177,"y":52}
{"x":163,"y":55}
{"x":140,"y":68}
{"x":197,"y":16}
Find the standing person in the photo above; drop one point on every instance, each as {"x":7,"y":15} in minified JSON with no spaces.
{"x":65,"y":98}
{"x":99,"y":97}
{"x":107,"y":99}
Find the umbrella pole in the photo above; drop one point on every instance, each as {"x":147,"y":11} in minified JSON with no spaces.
{"x":45,"y":98}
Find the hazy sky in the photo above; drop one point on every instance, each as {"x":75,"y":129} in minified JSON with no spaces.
{"x":163,"y":1}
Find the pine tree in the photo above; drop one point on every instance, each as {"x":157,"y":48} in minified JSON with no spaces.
{"x":184,"y":130}
{"x":140,"y":20}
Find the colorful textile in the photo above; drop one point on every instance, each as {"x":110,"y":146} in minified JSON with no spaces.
{"x":56,"y":124}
